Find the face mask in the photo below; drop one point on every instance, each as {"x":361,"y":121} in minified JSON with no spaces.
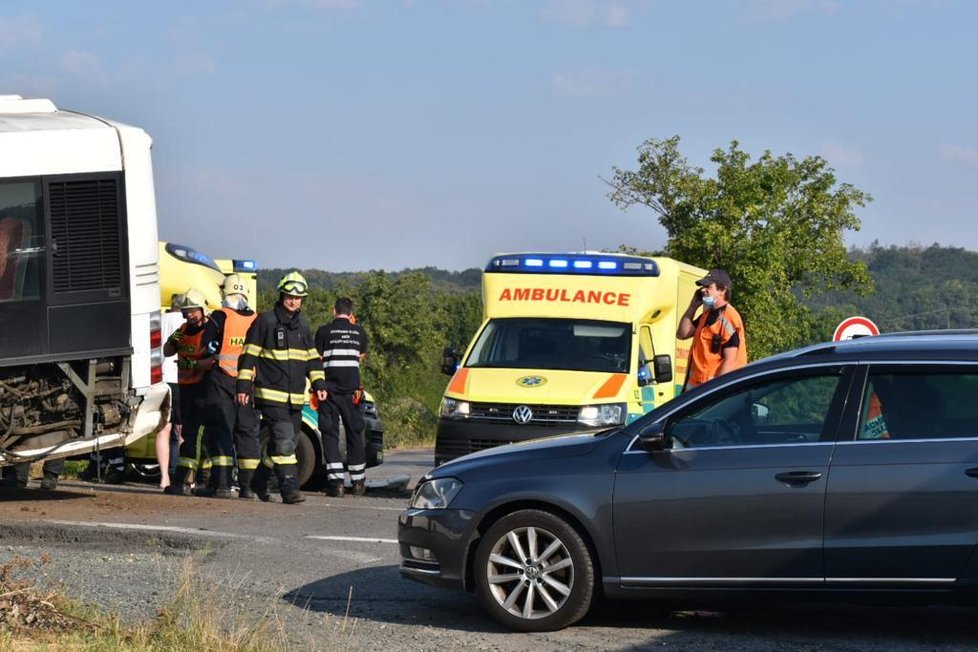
{"x":709,"y":302}
{"x":235,"y":302}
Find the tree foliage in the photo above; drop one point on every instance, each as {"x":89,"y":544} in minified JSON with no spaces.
{"x":775,"y":224}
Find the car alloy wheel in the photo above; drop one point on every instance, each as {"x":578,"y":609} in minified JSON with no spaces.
{"x":534,"y":572}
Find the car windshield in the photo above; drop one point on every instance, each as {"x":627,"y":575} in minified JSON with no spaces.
{"x":539,"y":343}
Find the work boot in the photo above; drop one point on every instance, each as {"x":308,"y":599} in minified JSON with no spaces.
{"x":218,"y":486}
{"x":178,"y":482}
{"x":359,"y":488}
{"x":335,"y":490}
{"x":245,"y":491}
{"x":288,"y":484}
{"x":50,"y":481}
{"x":259,"y":483}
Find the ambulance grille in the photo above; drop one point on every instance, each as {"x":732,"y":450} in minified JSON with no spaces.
{"x":543,"y":415}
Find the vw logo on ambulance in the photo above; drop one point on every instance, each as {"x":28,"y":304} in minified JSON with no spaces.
{"x":522,"y":414}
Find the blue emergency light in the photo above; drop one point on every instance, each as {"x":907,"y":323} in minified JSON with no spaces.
{"x":593,"y":264}
{"x":244,"y":265}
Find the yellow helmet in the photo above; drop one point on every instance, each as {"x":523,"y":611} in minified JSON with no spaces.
{"x":192,"y":299}
{"x":294,"y":284}
{"x":234,"y":284}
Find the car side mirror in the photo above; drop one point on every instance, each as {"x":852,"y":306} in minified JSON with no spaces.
{"x":662,"y":368}
{"x":653,"y":438}
{"x":449,"y":360}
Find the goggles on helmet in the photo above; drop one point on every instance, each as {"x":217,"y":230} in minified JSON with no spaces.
{"x":295,"y":288}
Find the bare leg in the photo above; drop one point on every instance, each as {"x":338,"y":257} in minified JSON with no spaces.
{"x":163,"y":455}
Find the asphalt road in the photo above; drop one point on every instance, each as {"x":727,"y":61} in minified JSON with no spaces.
{"x":325,"y":572}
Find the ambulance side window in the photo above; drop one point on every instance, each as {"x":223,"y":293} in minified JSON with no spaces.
{"x":645,"y":350}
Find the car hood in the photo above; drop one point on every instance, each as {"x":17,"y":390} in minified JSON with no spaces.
{"x":539,"y":386}
{"x":548,"y":448}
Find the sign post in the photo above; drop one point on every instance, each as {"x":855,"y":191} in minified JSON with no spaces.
{"x":852,"y":327}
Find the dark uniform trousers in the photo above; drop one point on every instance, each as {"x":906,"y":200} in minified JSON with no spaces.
{"x":192,"y":410}
{"x":284,"y":424}
{"x":336,"y":407}
{"x":231,"y":430}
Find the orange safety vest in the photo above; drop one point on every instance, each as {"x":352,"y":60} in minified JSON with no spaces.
{"x":705,"y":358}
{"x":190,"y":348}
{"x":232,"y":344}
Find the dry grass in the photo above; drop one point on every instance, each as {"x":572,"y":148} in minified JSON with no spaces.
{"x":195,"y":618}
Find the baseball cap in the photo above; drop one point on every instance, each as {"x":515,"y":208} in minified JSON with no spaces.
{"x":717,"y":276}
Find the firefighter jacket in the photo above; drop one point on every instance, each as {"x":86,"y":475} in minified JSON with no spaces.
{"x":233,"y":328}
{"x":278,"y":358}
{"x":341,"y":343}
{"x":191,"y":344}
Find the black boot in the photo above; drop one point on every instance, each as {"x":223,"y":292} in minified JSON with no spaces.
{"x":244,"y":484}
{"x":288,"y":484}
{"x":178,"y":482}
{"x":259,"y":483}
{"x":50,"y":481}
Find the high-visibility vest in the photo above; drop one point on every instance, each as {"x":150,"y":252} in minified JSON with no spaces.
{"x":236,"y":328}
{"x":190,"y":349}
{"x":705,"y":357}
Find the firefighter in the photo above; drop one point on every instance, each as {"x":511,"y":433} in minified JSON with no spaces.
{"x":228,"y":426}
{"x":189,"y":343}
{"x":279,"y":356}
{"x":342,"y":344}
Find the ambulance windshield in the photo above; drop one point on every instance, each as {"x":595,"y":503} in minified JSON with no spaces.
{"x":538,"y":343}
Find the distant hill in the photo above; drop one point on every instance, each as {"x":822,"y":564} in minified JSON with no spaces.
{"x":917,"y":288}
{"x":441,"y":280}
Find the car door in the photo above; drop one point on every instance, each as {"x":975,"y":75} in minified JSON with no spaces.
{"x":738,"y":495}
{"x":902,"y":502}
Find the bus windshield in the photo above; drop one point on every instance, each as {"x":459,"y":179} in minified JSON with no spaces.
{"x":541,"y":343}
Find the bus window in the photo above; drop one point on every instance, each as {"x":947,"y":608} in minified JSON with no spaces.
{"x":21,"y":241}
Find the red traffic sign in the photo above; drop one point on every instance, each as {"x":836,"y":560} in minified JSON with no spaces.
{"x":852,"y":327}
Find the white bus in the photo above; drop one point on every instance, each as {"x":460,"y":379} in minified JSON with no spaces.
{"x":80,"y":352}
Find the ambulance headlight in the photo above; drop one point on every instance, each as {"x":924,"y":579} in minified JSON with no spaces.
{"x":454,"y":409}
{"x":607,"y":414}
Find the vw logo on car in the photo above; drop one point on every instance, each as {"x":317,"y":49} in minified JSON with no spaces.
{"x":522,"y":414}
{"x":531,"y":381}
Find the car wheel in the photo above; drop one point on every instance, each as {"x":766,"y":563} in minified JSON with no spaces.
{"x":533,"y":572}
{"x":145,"y":472}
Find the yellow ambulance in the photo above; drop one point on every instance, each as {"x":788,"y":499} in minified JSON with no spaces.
{"x":569,"y":342}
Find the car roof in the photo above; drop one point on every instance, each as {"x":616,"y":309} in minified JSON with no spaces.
{"x":908,"y":345}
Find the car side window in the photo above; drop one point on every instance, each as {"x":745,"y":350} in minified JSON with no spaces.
{"x":919,"y":405}
{"x":786,"y":409}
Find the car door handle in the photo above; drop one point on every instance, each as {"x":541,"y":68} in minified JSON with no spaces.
{"x":972,"y":472}
{"x":798,"y":477}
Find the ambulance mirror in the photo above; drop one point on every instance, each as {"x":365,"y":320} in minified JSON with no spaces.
{"x":449,"y":360}
{"x":662,"y":368}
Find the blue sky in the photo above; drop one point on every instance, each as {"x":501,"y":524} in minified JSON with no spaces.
{"x":383,"y":134}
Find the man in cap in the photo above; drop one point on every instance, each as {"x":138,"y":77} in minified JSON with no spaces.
{"x":719,"y":343}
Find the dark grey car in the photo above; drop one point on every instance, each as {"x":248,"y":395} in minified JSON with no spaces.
{"x":849,"y":468}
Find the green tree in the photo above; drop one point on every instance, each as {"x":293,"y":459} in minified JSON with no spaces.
{"x":776,"y":225}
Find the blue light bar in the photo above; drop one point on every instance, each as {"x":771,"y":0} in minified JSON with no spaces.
{"x":594,"y":264}
{"x":244,"y":265}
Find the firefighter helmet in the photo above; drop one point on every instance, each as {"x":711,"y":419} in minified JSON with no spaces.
{"x":234,"y":284}
{"x":293,"y":284}
{"x":192,"y":299}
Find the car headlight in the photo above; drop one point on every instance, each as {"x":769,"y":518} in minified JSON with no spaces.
{"x":370,"y":408}
{"x":454,"y":409}
{"x":436,"y":494}
{"x":607,"y":414}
